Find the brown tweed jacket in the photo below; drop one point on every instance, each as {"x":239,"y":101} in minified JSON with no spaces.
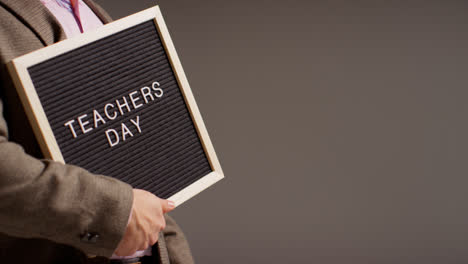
{"x":46,"y":207}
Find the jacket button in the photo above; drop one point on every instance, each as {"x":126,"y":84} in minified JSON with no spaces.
{"x":94,"y":238}
{"x":91,"y":238}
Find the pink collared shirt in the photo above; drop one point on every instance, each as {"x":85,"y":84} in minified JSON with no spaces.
{"x":61,"y":9}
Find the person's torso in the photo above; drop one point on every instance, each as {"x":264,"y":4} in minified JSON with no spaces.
{"x":19,"y":37}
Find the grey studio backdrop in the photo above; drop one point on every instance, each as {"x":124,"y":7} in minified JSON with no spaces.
{"x":341,"y":127}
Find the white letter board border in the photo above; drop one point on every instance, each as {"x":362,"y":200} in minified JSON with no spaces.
{"x":42,"y":128}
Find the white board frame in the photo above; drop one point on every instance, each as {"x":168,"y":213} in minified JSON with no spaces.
{"x":18,"y":69}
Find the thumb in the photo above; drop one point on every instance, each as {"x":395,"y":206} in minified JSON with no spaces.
{"x":167,"y":205}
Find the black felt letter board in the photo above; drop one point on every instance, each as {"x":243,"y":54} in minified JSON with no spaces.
{"x":163,"y":154}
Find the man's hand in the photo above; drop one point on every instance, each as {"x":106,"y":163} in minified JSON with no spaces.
{"x":146,"y":221}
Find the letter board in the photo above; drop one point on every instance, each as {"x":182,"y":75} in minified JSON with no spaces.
{"x":116,"y":101}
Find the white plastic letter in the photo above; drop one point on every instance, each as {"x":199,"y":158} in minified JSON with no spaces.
{"x":83,"y":124}
{"x":107,"y":113}
{"x":120,"y":106}
{"x":125,"y":131}
{"x":136,"y":106}
{"x":98,"y":118}
{"x":70,"y":125}
{"x":109,"y":139}
{"x":146,"y":92}
{"x":158,"y":91}
{"x":136,"y":123}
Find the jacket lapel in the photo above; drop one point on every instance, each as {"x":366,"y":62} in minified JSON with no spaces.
{"x":105,"y":18}
{"x":43,"y":23}
{"x":37,"y":18}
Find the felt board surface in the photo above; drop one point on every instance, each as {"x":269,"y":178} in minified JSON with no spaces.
{"x":163,"y":154}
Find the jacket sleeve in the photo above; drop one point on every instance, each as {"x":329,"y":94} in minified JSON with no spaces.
{"x":62,"y":203}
